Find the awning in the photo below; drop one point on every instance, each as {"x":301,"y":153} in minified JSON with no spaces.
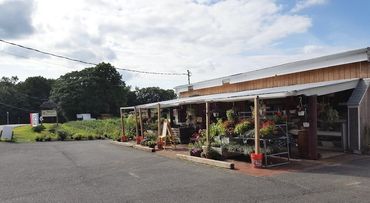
{"x":320,"y":88}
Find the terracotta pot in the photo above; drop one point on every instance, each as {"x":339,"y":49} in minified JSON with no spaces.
{"x":160,"y":144}
{"x":139,"y":139}
{"x":124,"y":138}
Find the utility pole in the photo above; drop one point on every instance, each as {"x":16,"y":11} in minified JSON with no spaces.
{"x":189,"y":74}
{"x":7,"y":117}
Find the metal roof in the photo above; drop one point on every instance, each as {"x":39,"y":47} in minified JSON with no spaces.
{"x":358,"y":94}
{"x":309,"y":89}
{"x":288,"y":68}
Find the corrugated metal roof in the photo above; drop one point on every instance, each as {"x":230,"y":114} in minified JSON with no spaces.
{"x":357,"y":94}
{"x":288,"y":68}
{"x":320,"y":88}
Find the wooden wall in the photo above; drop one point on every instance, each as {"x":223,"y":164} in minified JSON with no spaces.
{"x":354,"y":70}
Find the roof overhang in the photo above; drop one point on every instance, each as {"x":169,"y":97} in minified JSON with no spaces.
{"x":320,"y":88}
{"x":347,"y":57}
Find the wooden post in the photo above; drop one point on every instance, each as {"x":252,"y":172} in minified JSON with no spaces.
{"x":159,"y":119}
{"x":141,"y":123}
{"x":256,"y":126}
{"x":122,"y":122}
{"x":207,"y":123}
{"x":136,"y":125}
{"x":312,"y":130}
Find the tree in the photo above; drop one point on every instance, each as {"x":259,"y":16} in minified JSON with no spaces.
{"x":153,"y":94}
{"x":11,"y":101}
{"x":94,"y":90}
{"x":36,"y":90}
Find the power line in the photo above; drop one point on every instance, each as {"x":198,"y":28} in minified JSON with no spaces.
{"x":88,"y":63}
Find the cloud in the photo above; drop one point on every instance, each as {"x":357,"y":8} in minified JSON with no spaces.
{"x":303,"y":4}
{"x":16,"y":18}
{"x":209,"y":37}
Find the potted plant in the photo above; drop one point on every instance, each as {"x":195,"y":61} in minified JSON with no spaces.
{"x":124,"y":138}
{"x":242,"y":127}
{"x":151,"y":143}
{"x":160,"y":144}
{"x":139,"y":138}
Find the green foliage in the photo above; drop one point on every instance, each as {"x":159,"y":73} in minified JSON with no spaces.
{"x":130,"y":126}
{"x":213,"y":154}
{"x":153,"y":94}
{"x":27,"y":95}
{"x":231,"y":115}
{"x":151,"y":143}
{"x":62,"y":135}
{"x":38,"y":128}
{"x":266,"y":131}
{"x":77,"y":136}
{"x":96,"y":90}
{"x":40,"y":138}
{"x":47,"y":138}
{"x":217,"y":129}
{"x":242,"y":127}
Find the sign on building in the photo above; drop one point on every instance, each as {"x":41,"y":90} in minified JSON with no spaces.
{"x":34,"y":119}
{"x":48,"y":113}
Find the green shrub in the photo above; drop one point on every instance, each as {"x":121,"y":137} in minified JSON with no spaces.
{"x":47,"y":138}
{"x":53,"y":128}
{"x":151,"y":143}
{"x":38,"y":128}
{"x":39,"y":138}
{"x":61,"y":135}
{"x":77,"y":136}
{"x":90,"y":137}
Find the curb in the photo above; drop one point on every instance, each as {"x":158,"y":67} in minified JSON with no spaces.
{"x":221,"y":164}
{"x":126,"y":144}
{"x":147,"y":149}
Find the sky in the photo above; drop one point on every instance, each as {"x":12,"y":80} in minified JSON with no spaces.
{"x":211,"y":38}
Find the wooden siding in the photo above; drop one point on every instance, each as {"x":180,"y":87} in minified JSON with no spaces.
{"x":348,"y":71}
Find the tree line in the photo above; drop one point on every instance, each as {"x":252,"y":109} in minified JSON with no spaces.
{"x":96,"y":90}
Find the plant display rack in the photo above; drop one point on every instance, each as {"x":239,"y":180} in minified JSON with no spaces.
{"x":281,"y":140}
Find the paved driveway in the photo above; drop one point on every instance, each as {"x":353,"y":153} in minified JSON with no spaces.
{"x":96,"y":171}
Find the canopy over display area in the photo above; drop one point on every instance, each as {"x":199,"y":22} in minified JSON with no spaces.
{"x":320,"y":88}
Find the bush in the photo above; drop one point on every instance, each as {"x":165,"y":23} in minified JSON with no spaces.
{"x":151,"y":143}
{"x":90,"y":137}
{"x":212,"y":154}
{"x":77,"y":136}
{"x":38,"y":128}
{"x":53,"y":128}
{"x":39,"y":138}
{"x":61,"y":135}
{"x":47,"y":138}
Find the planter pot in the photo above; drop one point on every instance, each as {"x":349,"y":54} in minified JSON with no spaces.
{"x":257,"y":160}
{"x":139,"y":139}
{"x":124,"y":138}
{"x":160,"y":145}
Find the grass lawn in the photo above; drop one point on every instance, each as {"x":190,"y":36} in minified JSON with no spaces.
{"x":26,"y":134}
{"x":73,"y":130}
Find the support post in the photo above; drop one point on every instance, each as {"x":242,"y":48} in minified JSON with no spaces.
{"x":141,"y":123}
{"x":122,"y":122}
{"x":312,"y":131}
{"x":256,"y":126}
{"x":207,"y":123}
{"x":136,"y":122}
{"x":159,"y":119}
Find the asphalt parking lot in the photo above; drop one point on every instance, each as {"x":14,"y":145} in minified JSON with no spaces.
{"x":97,"y":171}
